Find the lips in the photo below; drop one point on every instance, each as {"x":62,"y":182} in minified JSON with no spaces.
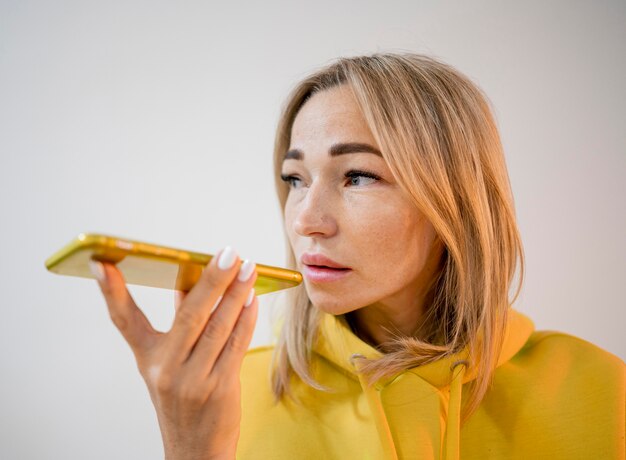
{"x":320,"y":260}
{"x":319,"y":268}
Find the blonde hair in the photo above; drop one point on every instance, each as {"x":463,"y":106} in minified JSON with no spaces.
{"x":436,"y":132}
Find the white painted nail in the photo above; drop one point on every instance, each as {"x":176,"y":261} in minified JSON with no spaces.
{"x":245,"y":272}
{"x":250,"y":298}
{"x":227,"y":258}
{"x":97,"y":270}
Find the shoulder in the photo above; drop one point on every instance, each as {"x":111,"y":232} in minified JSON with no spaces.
{"x":558,"y":394}
{"x":572,"y":367}
{"x":564,"y":350}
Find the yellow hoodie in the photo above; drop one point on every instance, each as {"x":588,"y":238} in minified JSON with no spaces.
{"x":553,"y":396}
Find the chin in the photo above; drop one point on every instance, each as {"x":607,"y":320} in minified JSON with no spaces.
{"x":332,"y":303}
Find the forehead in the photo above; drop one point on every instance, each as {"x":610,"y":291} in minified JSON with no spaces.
{"x":332,"y":115}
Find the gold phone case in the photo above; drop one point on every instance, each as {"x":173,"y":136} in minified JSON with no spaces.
{"x":152,"y":265}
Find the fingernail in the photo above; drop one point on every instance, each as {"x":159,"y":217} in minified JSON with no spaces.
{"x":250,"y":298}
{"x":97,"y":270}
{"x":245,"y":272}
{"x":227,"y":258}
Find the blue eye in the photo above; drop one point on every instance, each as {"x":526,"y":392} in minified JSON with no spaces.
{"x":360,"y":178}
{"x":292,"y":181}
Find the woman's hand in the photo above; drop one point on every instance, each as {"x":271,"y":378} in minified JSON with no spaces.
{"x":192,"y":371}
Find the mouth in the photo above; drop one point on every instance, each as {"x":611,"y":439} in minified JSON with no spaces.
{"x":325,"y":267}
{"x":322,"y":273}
{"x":319,"y":268}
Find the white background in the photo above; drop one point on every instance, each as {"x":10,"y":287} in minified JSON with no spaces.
{"x":155,"y":120}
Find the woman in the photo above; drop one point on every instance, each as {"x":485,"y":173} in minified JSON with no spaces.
{"x":401,"y":343}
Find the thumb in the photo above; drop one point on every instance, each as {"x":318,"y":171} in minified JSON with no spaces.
{"x":127,"y":317}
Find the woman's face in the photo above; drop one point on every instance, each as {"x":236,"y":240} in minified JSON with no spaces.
{"x":346,"y":211}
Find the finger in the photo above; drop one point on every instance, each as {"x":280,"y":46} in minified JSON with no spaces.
{"x":193,"y":314}
{"x":232,"y":354}
{"x":127,"y":317}
{"x":179,"y":297}
{"x":221,"y":324}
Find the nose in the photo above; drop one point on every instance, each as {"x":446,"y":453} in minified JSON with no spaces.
{"x":315,"y":213}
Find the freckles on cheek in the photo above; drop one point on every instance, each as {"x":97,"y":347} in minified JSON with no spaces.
{"x":374,"y":239}
{"x":391,"y":237}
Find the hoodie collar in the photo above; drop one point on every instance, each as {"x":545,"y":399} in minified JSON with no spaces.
{"x":337,"y":343}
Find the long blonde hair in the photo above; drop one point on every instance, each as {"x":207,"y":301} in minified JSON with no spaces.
{"x":436,"y":132}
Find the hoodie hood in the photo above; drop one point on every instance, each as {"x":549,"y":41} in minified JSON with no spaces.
{"x":434,"y":387}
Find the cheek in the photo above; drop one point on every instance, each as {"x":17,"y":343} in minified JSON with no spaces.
{"x":287,"y":219}
{"x":391,"y":244}
{"x":382,"y":229}
{"x":289,"y":215}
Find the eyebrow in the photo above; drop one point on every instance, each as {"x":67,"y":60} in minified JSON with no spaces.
{"x":336,"y":150}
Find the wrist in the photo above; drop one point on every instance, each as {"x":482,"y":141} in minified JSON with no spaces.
{"x":176,"y":454}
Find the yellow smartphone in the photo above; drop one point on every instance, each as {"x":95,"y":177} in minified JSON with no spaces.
{"x":153,"y":265}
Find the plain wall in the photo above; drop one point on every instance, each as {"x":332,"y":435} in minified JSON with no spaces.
{"x":155,"y":121}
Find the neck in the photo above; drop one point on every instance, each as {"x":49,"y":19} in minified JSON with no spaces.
{"x":380,"y":323}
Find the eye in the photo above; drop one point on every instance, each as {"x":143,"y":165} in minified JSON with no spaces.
{"x":292,"y":181}
{"x":361,"y":178}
